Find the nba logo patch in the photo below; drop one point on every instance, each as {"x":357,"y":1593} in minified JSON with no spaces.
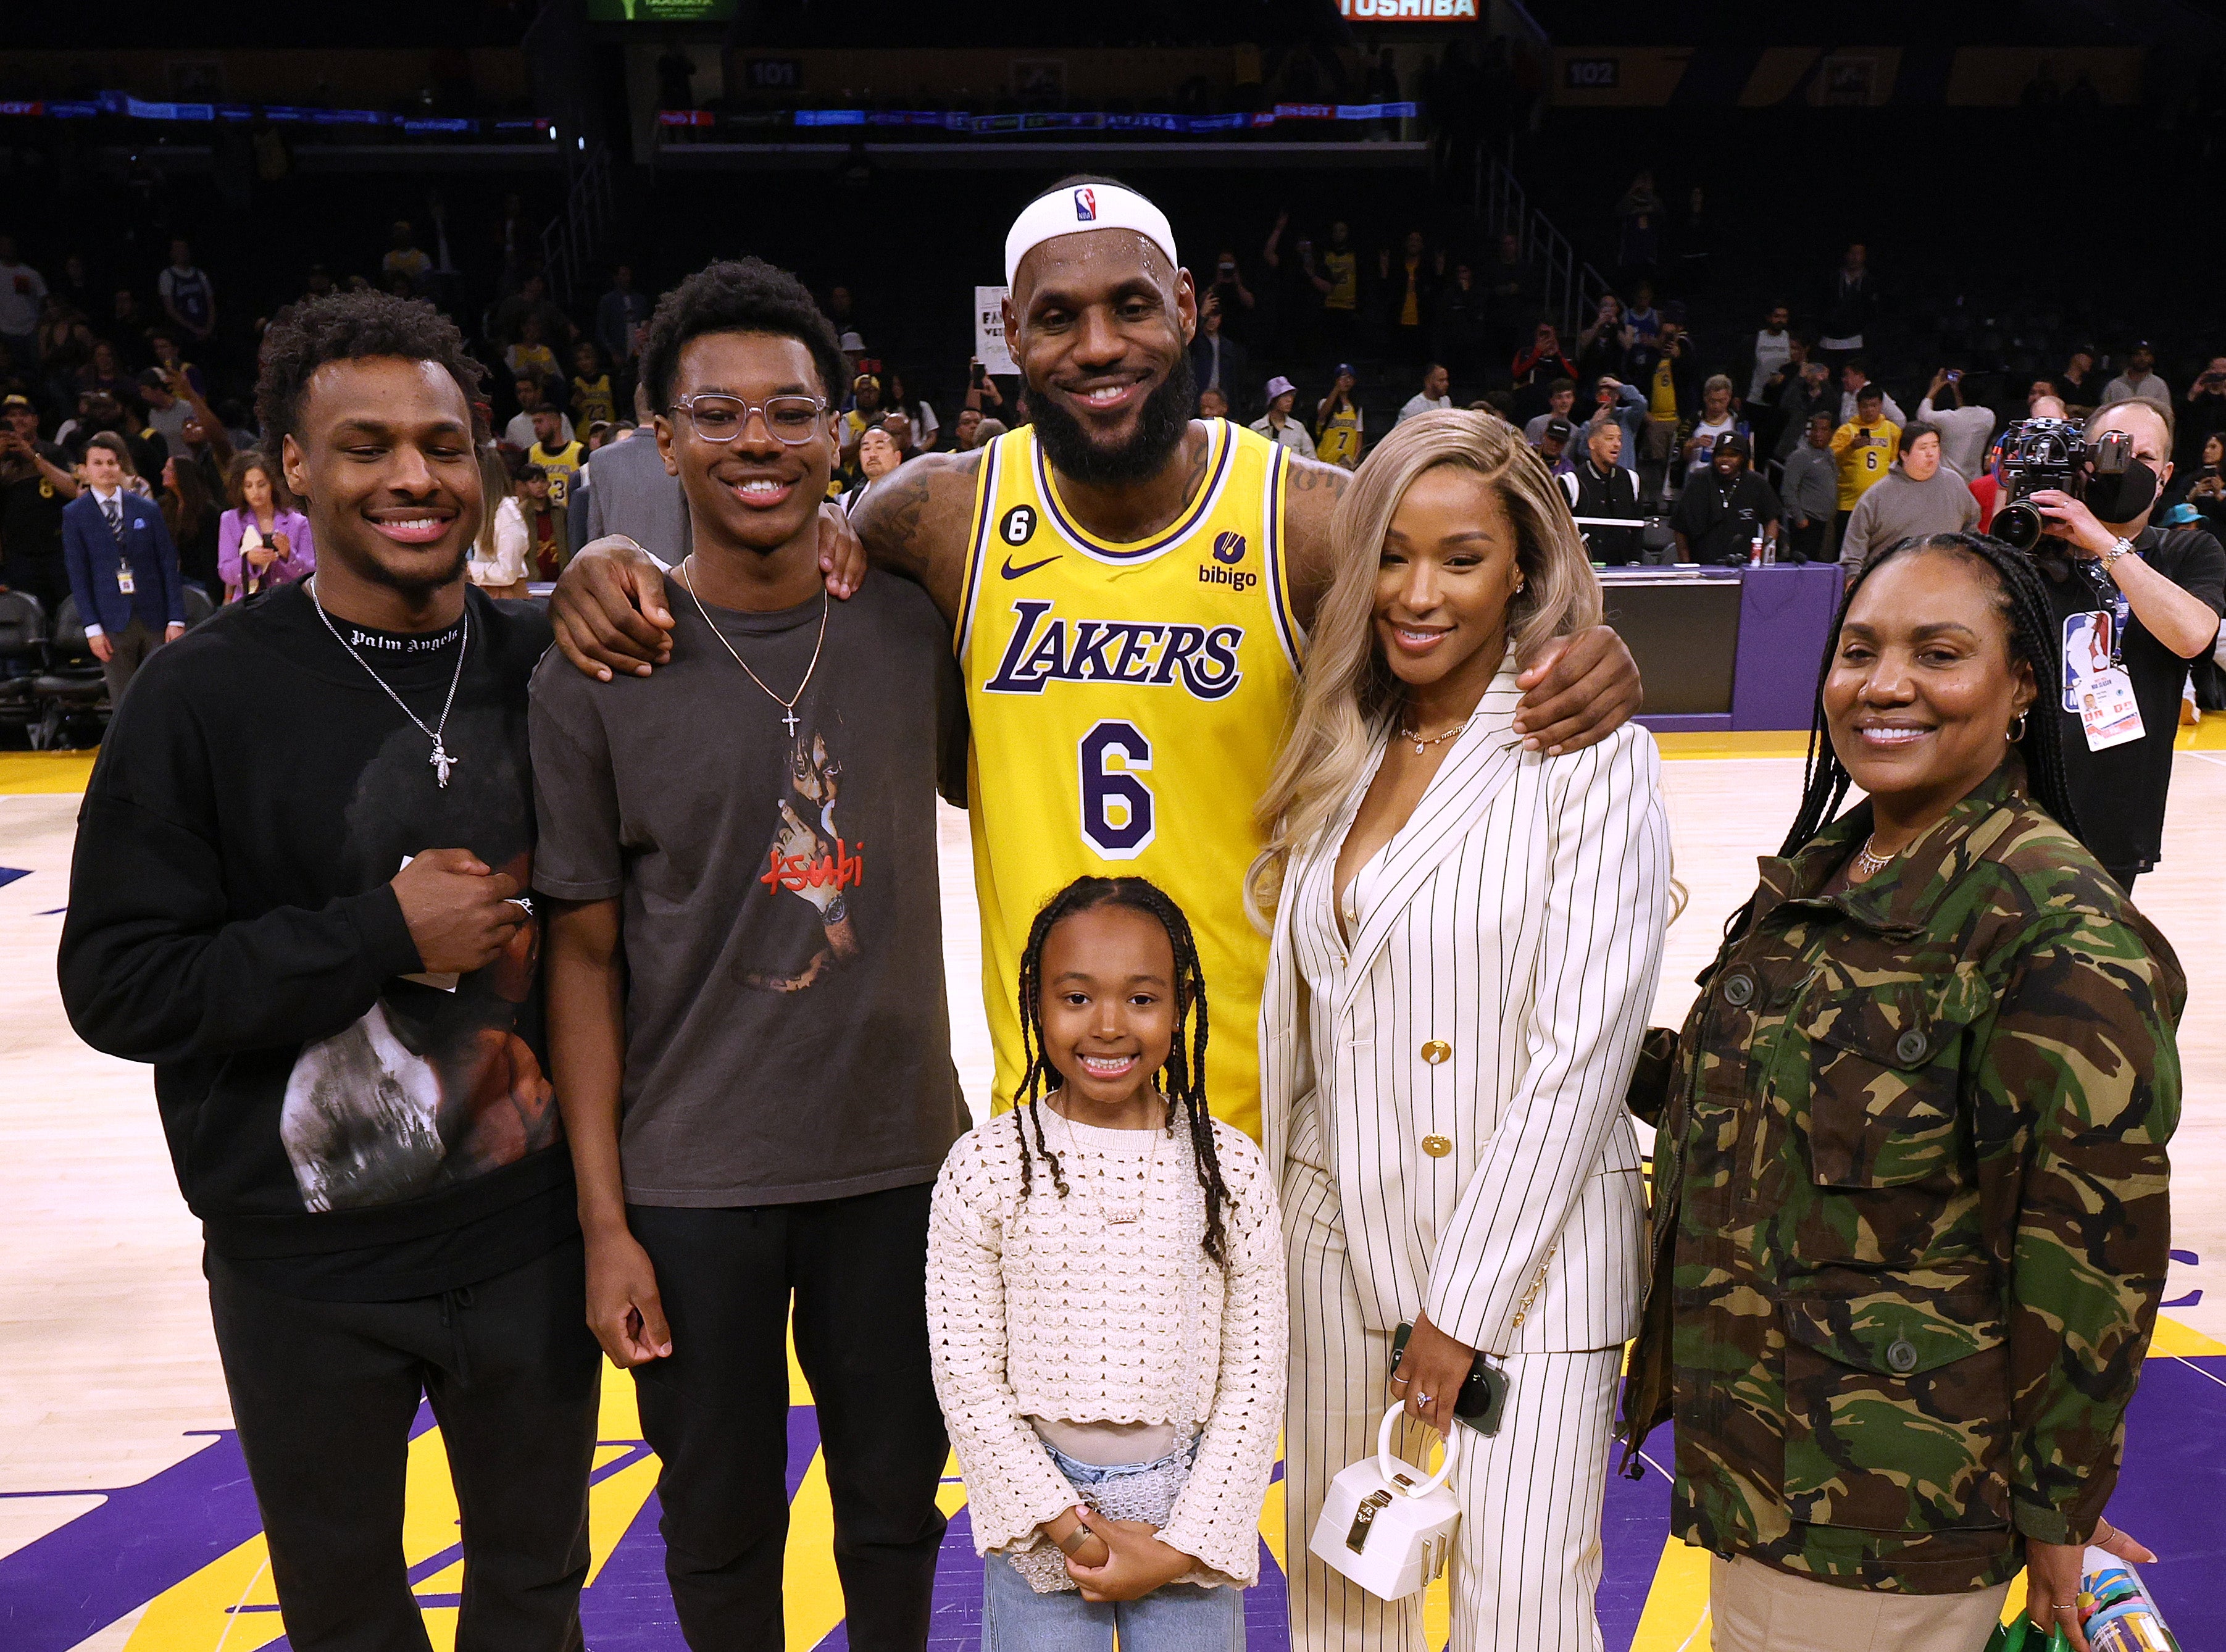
{"x":1085,"y":206}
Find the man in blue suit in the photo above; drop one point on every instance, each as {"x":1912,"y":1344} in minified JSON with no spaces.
{"x":122,"y":568}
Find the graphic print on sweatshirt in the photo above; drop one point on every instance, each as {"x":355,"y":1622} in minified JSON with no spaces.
{"x":439,"y":1082}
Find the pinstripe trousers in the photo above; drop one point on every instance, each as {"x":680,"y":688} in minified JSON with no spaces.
{"x":1526,"y":1565}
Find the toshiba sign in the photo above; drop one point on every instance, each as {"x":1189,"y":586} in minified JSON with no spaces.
{"x":1407,"y":11}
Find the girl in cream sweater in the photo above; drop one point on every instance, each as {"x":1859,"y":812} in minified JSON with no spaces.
{"x":1105,"y":1303}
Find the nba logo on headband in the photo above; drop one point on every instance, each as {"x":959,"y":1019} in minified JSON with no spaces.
{"x":1080,"y":209}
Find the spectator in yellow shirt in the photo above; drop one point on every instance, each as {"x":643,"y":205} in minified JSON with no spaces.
{"x":530,"y":357}
{"x":592,"y":400}
{"x":1864,"y":448}
{"x":559,"y":459}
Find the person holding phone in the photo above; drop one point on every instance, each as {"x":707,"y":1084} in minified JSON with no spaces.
{"x":263,"y":540}
{"x":1965,"y":430}
{"x":1470,"y":1177}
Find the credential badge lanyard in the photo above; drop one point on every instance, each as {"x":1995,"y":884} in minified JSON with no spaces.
{"x":2105,"y":589}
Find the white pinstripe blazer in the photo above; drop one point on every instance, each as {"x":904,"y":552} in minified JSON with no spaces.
{"x":1517,"y":918}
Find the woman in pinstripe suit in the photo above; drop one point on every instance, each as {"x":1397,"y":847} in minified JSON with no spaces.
{"x":1467,"y":936}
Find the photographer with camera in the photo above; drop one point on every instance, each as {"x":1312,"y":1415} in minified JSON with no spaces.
{"x":2137,"y":606}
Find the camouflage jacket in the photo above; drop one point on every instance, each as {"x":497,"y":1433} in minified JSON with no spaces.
{"x":1911,"y":1209}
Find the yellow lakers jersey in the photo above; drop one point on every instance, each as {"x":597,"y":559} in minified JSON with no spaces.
{"x":1127,"y":702}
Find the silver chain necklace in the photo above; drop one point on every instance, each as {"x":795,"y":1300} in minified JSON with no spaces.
{"x":787,"y":706}
{"x":441,"y":760}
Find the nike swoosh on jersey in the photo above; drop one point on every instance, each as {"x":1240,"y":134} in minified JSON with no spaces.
{"x":1013,"y":573}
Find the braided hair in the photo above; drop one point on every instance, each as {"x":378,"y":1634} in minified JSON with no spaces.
{"x":2024,"y":606}
{"x":1183,"y":1078}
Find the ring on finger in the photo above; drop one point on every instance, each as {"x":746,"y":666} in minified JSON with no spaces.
{"x":1395,"y":1377}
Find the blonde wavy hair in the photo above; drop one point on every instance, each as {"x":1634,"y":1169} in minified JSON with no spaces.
{"x":1348,"y":693}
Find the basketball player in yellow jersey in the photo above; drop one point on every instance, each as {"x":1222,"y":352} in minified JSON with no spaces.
{"x":1126,"y":699}
{"x":1120,"y":500}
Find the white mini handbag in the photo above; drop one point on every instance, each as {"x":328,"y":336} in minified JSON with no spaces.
{"x":1384,"y":1526}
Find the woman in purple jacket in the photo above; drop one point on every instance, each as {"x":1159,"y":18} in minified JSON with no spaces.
{"x":263,"y":541}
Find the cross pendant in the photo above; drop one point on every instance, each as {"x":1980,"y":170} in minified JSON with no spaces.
{"x":790,"y":720}
{"x":442,"y":763}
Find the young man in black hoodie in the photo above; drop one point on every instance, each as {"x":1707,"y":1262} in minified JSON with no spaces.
{"x":299,"y":891}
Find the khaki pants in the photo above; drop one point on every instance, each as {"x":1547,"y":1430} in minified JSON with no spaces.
{"x":1758,"y":1609}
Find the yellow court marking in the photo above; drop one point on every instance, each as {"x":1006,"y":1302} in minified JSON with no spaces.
{"x":2181,"y":1341}
{"x":1745,"y":742}
{"x":44,"y":772}
{"x":2209,"y":735}
{"x":1676,"y":1618}
{"x":811,"y":1593}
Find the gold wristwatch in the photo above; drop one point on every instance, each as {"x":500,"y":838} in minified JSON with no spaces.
{"x":2110,"y":557}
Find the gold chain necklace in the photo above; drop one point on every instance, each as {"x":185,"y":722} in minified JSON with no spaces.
{"x":1869,"y":863}
{"x":1421,"y":745}
{"x":787,"y":706}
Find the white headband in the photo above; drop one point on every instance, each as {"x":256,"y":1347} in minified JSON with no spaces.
{"x":1085,"y":207}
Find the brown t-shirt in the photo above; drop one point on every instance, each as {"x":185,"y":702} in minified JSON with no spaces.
{"x":787,"y":1033}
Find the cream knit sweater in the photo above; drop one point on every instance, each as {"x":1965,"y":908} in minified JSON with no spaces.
{"x":1047,"y":1309}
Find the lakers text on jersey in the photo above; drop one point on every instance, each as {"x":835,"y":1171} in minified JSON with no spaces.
{"x":1127,"y":702}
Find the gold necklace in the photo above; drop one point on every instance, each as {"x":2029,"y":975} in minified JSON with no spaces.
{"x":787,"y":706}
{"x":1421,"y":745}
{"x":1869,"y":863}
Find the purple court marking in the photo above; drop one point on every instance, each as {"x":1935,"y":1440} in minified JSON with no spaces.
{"x":146,"y":1538}
{"x":82,"y":1577}
{"x":1634,"y":1520}
{"x":9,"y":873}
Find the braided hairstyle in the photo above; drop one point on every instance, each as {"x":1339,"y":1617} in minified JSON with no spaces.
{"x":1183,"y":1078}
{"x":2024,"y":609}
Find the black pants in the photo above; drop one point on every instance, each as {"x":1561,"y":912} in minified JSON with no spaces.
{"x":1806,"y":544}
{"x":715,"y":1410}
{"x":324,"y":1394}
{"x":2124,"y":876}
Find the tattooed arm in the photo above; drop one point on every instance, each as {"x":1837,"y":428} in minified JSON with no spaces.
{"x":915,"y":524}
{"x":609,"y":610}
{"x":1579,"y":689}
{"x":1311,"y":491}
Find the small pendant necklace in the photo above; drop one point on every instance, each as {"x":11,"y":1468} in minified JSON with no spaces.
{"x":441,"y":760}
{"x":787,"y":706}
{"x":1422,"y":745}
{"x":1123,"y":1218}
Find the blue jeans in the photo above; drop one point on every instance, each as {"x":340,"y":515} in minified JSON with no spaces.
{"x":1174,"y":1617}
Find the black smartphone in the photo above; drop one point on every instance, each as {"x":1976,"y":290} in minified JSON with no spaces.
{"x":1482,"y":1399}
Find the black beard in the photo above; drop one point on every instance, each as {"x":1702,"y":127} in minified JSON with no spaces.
{"x":1160,"y":428}
{"x":415,"y":585}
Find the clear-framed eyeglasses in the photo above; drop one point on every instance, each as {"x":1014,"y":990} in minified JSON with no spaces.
{"x":793,"y":420}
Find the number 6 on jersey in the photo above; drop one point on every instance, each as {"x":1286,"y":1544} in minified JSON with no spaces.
{"x":1116,"y":806}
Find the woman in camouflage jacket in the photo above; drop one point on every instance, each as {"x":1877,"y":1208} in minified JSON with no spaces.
{"x":1911,"y":1213}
